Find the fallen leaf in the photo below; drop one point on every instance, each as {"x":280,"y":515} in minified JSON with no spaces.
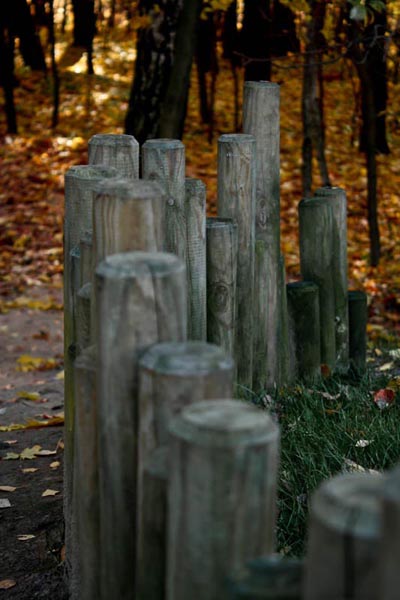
{"x":60,"y":375}
{"x":60,"y":444}
{"x":30,"y":470}
{"x":55,"y":464}
{"x":394,"y":353}
{"x":46,"y":452}
{"x":362,"y":443}
{"x":386,"y":367}
{"x":394,"y":384}
{"x":34,"y":424}
{"x":5,"y":503}
{"x":6,"y":584}
{"x":30,"y":453}
{"x":50,"y":493}
{"x":26,"y":363}
{"x":384,"y":398}
{"x":34,"y":396}
{"x":11,"y":456}
{"x":10,"y":442}
{"x":325,"y":371}
{"x":7,"y":488}
{"x":352,"y":467}
{"x":25,"y":537}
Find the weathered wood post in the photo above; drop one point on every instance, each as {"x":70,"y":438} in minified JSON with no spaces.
{"x":261,"y":119}
{"x":171,"y":376}
{"x":222,"y":250}
{"x":389,"y":546}
{"x":115,"y":150}
{"x":338,"y":202}
{"x":79,"y":183}
{"x":86,"y":484}
{"x":303,"y":307}
{"x":141,"y":300}
{"x":86,"y":250}
{"x":343,"y":543}
{"x":358,"y":317}
{"x":316,"y":248}
{"x":222,"y":495}
{"x":83,"y":304}
{"x":286,"y":367}
{"x":195,"y":216}
{"x":236,"y":200}
{"x":270,"y":578}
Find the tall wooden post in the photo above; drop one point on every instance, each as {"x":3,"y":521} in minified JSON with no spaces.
{"x":86,"y":250}
{"x":338,"y":202}
{"x":116,"y":150}
{"x":270,"y":578}
{"x":222,"y":249}
{"x":171,"y":376}
{"x":79,"y":183}
{"x":261,"y":119}
{"x":195,"y":216}
{"x":236,"y":200}
{"x":286,"y":367}
{"x":358,"y":317}
{"x":389,"y":545}
{"x":343,"y":542}
{"x":316,"y":260}
{"x":222,"y":495}
{"x":141,"y":300}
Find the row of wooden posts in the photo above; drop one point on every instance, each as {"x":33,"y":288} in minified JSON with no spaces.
{"x":169,"y":484}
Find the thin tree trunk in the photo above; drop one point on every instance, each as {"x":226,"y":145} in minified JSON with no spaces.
{"x":7,"y":74}
{"x":256,"y":40}
{"x":54,"y":70}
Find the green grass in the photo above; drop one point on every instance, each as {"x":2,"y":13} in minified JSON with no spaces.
{"x":320,"y":427}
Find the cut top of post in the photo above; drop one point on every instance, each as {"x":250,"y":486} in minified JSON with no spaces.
{"x":113,"y":139}
{"x":139,"y":264}
{"x":236,"y":137}
{"x":164,"y":143}
{"x":262,"y":85}
{"x":306,"y":287}
{"x":128,"y":189}
{"x":224,"y":423}
{"x":94,"y":172}
{"x":186,"y":358}
{"x":331,"y":192}
{"x":351,"y":503}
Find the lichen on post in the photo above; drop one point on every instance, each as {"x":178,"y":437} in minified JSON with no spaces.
{"x":115,"y":150}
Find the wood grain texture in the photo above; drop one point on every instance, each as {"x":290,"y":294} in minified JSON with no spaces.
{"x":195,"y":216}
{"x":83,"y":301}
{"x":286,"y":370}
{"x":222,"y":250}
{"x":358,"y":317}
{"x":303,"y":307}
{"x":261,"y":118}
{"x":222,"y":494}
{"x":141,"y":301}
{"x":237,"y":201}
{"x":344,"y":530}
{"x":270,"y":578}
{"x":389,"y":546}
{"x":338,"y":202}
{"x":115,"y":150}
{"x":86,"y":250}
{"x":86,"y":488}
{"x":316,"y":261}
{"x":163,"y":160}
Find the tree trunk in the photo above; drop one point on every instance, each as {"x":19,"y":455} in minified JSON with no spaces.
{"x":84,"y":23}
{"x":7,"y":73}
{"x":256,"y":40}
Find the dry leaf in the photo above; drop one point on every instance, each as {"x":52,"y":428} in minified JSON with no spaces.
{"x":30,"y":470}
{"x":60,"y":375}
{"x":30,"y":453}
{"x":50,"y":493}
{"x":352,"y":467}
{"x":25,"y":537}
{"x":384,"y":398}
{"x":362,"y":443}
{"x":6,"y":584}
{"x":33,"y":396}
{"x":5,"y":503}
{"x":386,"y":367}
{"x":7,"y":488}
{"x":394,"y":353}
{"x":46,"y":452}
{"x":26,"y":363}
{"x":34,"y":424}
{"x":11,"y":456}
{"x":55,"y":464}
{"x":10,"y":442}
{"x":325,"y":371}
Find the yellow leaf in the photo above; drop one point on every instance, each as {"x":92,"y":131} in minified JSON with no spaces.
{"x":29,"y":470}
{"x":50,"y":493}
{"x":46,"y":452}
{"x":6,"y":584}
{"x":11,"y":456}
{"x":30,"y":453}
{"x":386,"y":367}
{"x":60,"y":375}
{"x":7,"y":488}
{"x":55,"y":464}
{"x":26,"y":363}
{"x":34,"y":424}
{"x":34,"y":396}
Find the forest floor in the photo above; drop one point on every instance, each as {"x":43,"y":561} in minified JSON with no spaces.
{"x":32,"y":166}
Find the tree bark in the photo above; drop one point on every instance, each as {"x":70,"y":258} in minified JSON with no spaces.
{"x":255,"y":40}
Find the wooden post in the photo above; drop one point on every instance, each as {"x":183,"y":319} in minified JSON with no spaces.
{"x":236,"y":200}
{"x":86,"y":250}
{"x":164,"y":161}
{"x":221,"y":497}
{"x":316,"y":247}
{"x":222,"y":249}
{"x":86,"y":487}
{"x":270,"y":578}
{"x":195,"y":216}
{"x":261,"y":119}
{"x":83,"y":301}
{"x":358,"y":317}
{"x":389,"y":546}
{"x":286,"y":367}
{"x":115,"y":150}
{"x":338,"y":202}
{"x":141,"y":300}
{"x":344,"y":530}
{"x":303,"y":307}
{"x":79,"y":182}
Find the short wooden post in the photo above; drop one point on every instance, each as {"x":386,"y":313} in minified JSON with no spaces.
{"x":79,"y":183}
{"x":303,"y":307}
{"x":343,"y":541}
{"x":338,"y":202}
{"x":236,"y":200}
{"x":270,"y":578}
{"x":86,"y":250}
{"x":86,"y":488}
{"x":195,"y":216}
{"x":316,"y":248}
{"x":286,"y":368}
{"x":141,"y":300}
{"x":389,"y":546}
{"x":222,"y":495}
{"x":115,"y":150}
{"x":222,"y":249}
{"x":164,"y":161}
{"x":358,"y":317}
{"x":261,"y":119}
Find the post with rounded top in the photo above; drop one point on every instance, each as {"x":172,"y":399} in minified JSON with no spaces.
{"x":338,"y":202}
{"x":236,"y":201}
{"x":261,"y":118}
{"x":195,"y":216}
{"x":343,"y":541}
{"x":358,"y":317}
{"x":316,"y":261}
{"x":115,"y":150}
{"x":222,"y":249}
{"x":222,"y":495}
{"x":141,"y":300}
{"x":171,"y":376}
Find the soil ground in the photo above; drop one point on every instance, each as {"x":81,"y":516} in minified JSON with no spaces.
{"x":31,"y":528}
